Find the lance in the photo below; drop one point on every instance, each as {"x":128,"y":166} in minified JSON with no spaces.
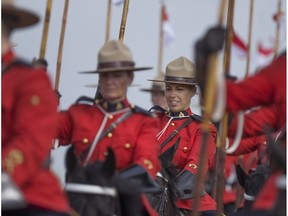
{"x":123,"y":20}
{"x":208,"y":103}
{"x":249,"y":38}
{"x":160,"y":58}
{"x":220,"y":156}
{"x":239,"y":188}
{"x":278,"y":19}
{"x":98,"y":94}
{"x":108,"y":20}
{"x":59,"y":59}
{"x":45,"y":30}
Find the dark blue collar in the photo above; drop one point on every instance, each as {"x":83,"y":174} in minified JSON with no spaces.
{"x":112,"y":107}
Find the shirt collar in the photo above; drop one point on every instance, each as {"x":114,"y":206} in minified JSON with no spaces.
{"x":112,"y":107}
{"x":181,"y":114}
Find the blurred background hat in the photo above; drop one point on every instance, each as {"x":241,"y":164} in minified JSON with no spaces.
{"x":17,"y":17}
{"x":181,"y":71}
{"x":115,"y":56}
{"x":156,"y":86}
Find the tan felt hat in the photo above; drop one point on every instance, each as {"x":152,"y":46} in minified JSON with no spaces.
{"x":115,"y":56}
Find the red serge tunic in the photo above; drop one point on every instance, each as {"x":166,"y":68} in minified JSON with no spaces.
{"x":133,"y":140}
{"x":29,"y":118}
{"x":265,"y":88}
{"x":188,"y":152}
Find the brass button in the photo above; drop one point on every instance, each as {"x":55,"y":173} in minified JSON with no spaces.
{"x":194,"y":166}
{"x":35,"y":100}
{"x":85,"y":140}
{"x":185,"y":149}
{"x":172,"y":124}
{"x":109,"y":135}
{"x":110,"y":116}
{"x":264,"y":142}
{"x":127,"y":145}
{"x":149,"y":164}
{"x":105,"y":154}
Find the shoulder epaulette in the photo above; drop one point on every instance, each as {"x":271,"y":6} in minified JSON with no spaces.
{"x":16,"y":62}
{"x":22,"y":63}
{"x":158,"y":108}
{"x":137,"y":109}
{"x":197,"y":117}
{"x":85,"y":100}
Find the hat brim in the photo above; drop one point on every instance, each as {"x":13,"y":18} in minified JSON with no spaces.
{"x":103,"y":70}
{"x":96,"y":85}
{"x":20,"y":17}
{"x":176,"y":82}
{"x":152,"y":90}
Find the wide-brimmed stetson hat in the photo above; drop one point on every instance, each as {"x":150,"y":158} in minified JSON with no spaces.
{"x":156,"y":86}
{"x":115,"y":56}
{"x":181,"y":71}
{"x":18,"y":17}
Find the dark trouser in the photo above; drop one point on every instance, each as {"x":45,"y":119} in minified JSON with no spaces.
{"x":260,"y":213}
{"x":185,"y":212}
{"x":33,"y":211}
{"x":229,"y":209}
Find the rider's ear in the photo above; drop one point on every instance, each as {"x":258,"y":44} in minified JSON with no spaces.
{"x":241,"y":175}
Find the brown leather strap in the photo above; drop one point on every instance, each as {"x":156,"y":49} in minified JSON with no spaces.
{"x":108,"y":130}
{"x":175,"y":132}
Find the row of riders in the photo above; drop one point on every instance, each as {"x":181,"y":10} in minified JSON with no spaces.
{"x":125,"y":160}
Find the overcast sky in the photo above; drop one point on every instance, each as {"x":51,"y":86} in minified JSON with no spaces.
{"x":85,"y":35}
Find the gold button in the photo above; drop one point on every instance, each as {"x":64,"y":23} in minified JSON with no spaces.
{"x":110,"y":117}
{"x":172,"y":124}
{"x":109,"y":135}
{"x":149,"y":164}
{"x":127,"y":145}
{"x":193,"y":166}
{"x":264,"y":142}
{"x":35,"y":100}
{"x":185,"y":149}
{"x":85,"y":140}
{"x":105,"y":154}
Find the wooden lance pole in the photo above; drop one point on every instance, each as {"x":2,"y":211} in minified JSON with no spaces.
{"x":249,"y":38}
{"x":220,"y":156}
{"x":59,"y":59}
{"x":108,"y":21}
{"x":208,"y":104}
{"x":123,"y":20}
{"x":160,"y":57}
{"x":45,"y":29}
{"x":278,"y":20}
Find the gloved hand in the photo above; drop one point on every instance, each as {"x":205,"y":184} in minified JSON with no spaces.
{"x":210,"y":43}
{"x":140,"y":177}
{"x":183,"y":185}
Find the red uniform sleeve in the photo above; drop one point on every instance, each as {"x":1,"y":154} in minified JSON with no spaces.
{"x":34,"y":116}
{"x":261,"y":89}
{"x":195,"y":154}
{"x":248,"y":145}
{"x":147,"y":150}
{"x":255,"y":122}
{"x":64,"y":128}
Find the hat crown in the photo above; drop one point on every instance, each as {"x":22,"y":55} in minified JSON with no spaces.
{"x":181,"y":67}
{"x":114,"y":51}
{"x":7,"y":2}
{"x":157,"y":85}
